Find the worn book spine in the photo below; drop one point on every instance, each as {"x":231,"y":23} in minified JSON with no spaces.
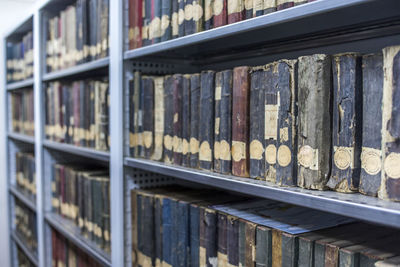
{"x":194,"y":120}
{"x":181,"y":17}
{"x":174,"y":232}
{"x":104,"y":143}
{"x":276,"y":248}
{"x":283,"y":4}
{"x":183,"y":234}
{"x":158,"y":230}
{"x":240,"y":123}
{"x":271,"y":110}
{"x":194,"y":235}
{"x":390,"y":184}
{"x":258,"y":8}
{"x":158,"y":118}
{"x":132,"y":141}
{"x":257,"y":93}
{"x":177,"y":118}
{"x":140,"y":119}
{"x":135,"y":33}
{"x":175,"y":19}
{"x":232,"y":233}
{"x":168,"y":118}
{"x":146,"y":19}
{"x":135,"y":226}
{"x":225,"y":125}
{"x":236,"y":11}
{"x":82,"y":114}
{"x":206,"y":129}
{"x":242,"y":242}
{"x":208,"y":14}
{"x":135,"y":114}
{"x":147,"y":257}
{"x":347,"y":122}
{"x":250,"y":236}
{"x":220,"y":13}
{"x":208,"y":237}
{"x":222,"y":224}
{"x":263,"y":246}
{"x":286,"y":166}
{"x":166,"y":29}
{"x":148,"y":116}
{"x":371,"y":152}
{"x":269,"y":6}
{"x":167,"y":232}
{"x":189,"y":21}
{"x":249,"y":8}
{"x":156,"y":27}
{"x":217,"y":121}
{"x":198,"y":15}
{"x":314,"y":127}
{"x":186,"y":120}
{"x":290,"y":250}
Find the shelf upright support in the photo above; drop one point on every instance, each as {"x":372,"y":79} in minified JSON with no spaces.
{"x":38,"y":109}
{"x":116,"y":133}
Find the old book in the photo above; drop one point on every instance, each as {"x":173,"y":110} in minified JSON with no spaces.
{"x":104,"y":28}
{"x":217,"y":121}
{"x":198,"y":15}
{"x":166,"y":29}
{"x":189,"y":20}
{"x":263,"y":246}
{"x":146,"y":20}
{"x":175,"y":19}
{"x":240,"y":121}
{"x":158,"y":118}
{"x":299,"y":2}
{"x":225,"y":125}
{"x":186,"y":120}
{"x":286,"y":163}
{"x":257,"y":93}
{"x":206,"y":129}
{"x":250,"y":236}
{"x":236,"y":11}
{"x":134,"y":113}
{"x":194,"y":120}
{"x":314,"y":130}
{"x":269,"y":6}
{"x":158,"y":230}
{"x":242,"y":242}
{"x":168,"y":118}
{"x":155,"y":24}
{"x":208,"y":237}
{"x":220,"y":13}
{"x":258,"y":8}
{"x":222,"y":225}
{"x":136,"y":33}
{"x":134,"y":221}
{"x":390,"y":184}
{"x":232,"y":232}
{"x":181,"y":17}
{"x":283,"y":4}
{"x":148,"y":116}
{"x":378,"y":251}
{"x":146,"y":245}
{"x":208,"y":14}
{"x":177,"y":118}
{"x":194,"y":239}
{"x":140,"y":139}
{"x":103,"y":124}
{"x":371,"y":153}
{"x":347,"y":122}
{"x":132,"y":135}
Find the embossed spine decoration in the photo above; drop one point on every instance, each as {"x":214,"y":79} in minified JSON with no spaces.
{"x":168,"y":118}
{"x":148,"y":116}
{"x":194,"y":120}
{"x":347,"y":122}
{"x":189,"y":22}
{"x":174,"y":19}
{"x":206,"y":129}
{"x":166,"y":29}
{"x":269,"y":6}
{"x":286,"y":167}
{"x":283,"y":4}
{"x":146,"y":22}
{"x":371,"y":153}
{"x":257,"y":162}
{"x":177,"y":119}
{"x":186,"y":121}
{"x":208,"y":14}
{"x":220,"y":13}
{"x":217,"y":121}
{"x":158,"y":118}
{"x":390,"y":183}
{"x":314,"y":127}
{"x":181,"y":18}
{"x":240,"y":121}
{"x":225,"y":126}
{"x":271,"y":109}
{"x":236,"y":11}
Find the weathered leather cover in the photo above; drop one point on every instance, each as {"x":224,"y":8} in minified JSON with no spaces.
{"x":225,"y":126}
{"x":220,"y":13}
{"x":185,"y":120}
{"x":168,"y":118}
{"x":148,"y":116}
{"x":236,"y":11}
{"x":177,"y":118}
{"x":208,"y":14}
{"x":194,"y":120}
{"x":166,"y":29}
{"x":159,"y":112}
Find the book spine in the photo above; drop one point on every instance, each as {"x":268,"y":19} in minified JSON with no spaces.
{"x":240,"y":125}
{"x":220,"y":13}
{"x":81,"y":201}
{"x":198,"y":15}
{"x":82,"y":115}
{"x":104,"y":115}
{"x":390,"y":183}
{"x":168,"y":118}
{"x":222,"y":253}
{"x":167,"y":232}
{"x":174,"y":232}
{"x":131,"y":22}
{"x":135,"y":226}
{"x":257,"y":162}
{"x":286,"y":166}
{"x":349,"y":258}
{"x":175,"y":19}
{"x":208,"y":237}
{"x":276,"y":248}
{"x":290,"y":250}
{"x":194,"y":120}
{"x":250,"y":250}
{"x":158,"y":233}
{"x":314,"y":136}
{"x":371,"y":153}
{"x":158,"y":118}
{"x":146,"y":7}
{"x":225,"y":125}
{"x":249,"y":7}
{"x":97,"y":212}
{"x":135,"y":115}
{"x":242,"y":243}
{"x":140,"y":119}
{"x":306,"y":252}
{"x":232,"y":237}
{"x":177,"y":120}
{"x":189,"y":21}
{"x":258,"y":8}
{"x":186,"y":121}
{"x":264,"y":247}
{"x":137,"y":23}
{"x":347,"y":122}
{"x":236,"y":11}
{"x":194,"y":235}
{"x":166,"y":29}
{"x":181,"y":17}
{"x":148,"y":116}
{"x":208,"y":14}
{"x":217,"y":120}
{"x":206,"y":133}
{"x":132,"y":134}
{"x":155,"y":26}
{"x":283,"y":4}
{"x":183,"y":234}
{"x":148,"y":256}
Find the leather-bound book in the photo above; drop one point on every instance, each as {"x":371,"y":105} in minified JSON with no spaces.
{"x":220,"y":13}
{"x":146,"y":19}
{"x":208,"y":236}
{"x":314,"y":127}
{"x":257,"y":106}
{"x":181,"y":17}
{"x":232,"y":232}
{"x":208,"y":14}
{"x":263,"y":248}
{"x":250,"y":236}
{"x":189,"y":21}
{"x":286,"y":163}
{"x":194,"y":120}
{"x":175,"y":19}
{"x":206,"y":129}
{"x":347,"y":122}
{"x":269,"y":6}
{"x":222,"y":254}
{"x":136,"y":16}
{"x":225,"y":125}
{"x":140,"y":141}
{"x":198,"y":15}
{"x":132,"y":136}
{"x":168,"y":118}
{"x":158,"y":229}
{"x":236,"y":11}
{"x":177,"y":118}
{"x":371,"y":153}
{"x":186,"y":120}
{"x":166,"y":29}
{"x":148,"y":116}
{"x":240,"y":121}
{"x":390,"y":183}
{"x":155,"y":24}
{"x":134,"y":111}
{"x":283,"y":4}
{"x":217,"y":121}
{"x":159,"y":112}
{"x":249,"y":6}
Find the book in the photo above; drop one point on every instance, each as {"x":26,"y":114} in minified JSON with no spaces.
{"x":19,"y":58}
{"x":269,"y":6}
{"x":258,"y":8}
{"x":22,"y":112}
{"x":189,"y":22}
{"x":347,"y":122}
{"x":217,"y":120}
{"x":25,"y":176}
{"x":155,"y":24}
{"x":135,"y":23}
{"x":148,"y":116}
{"x":186,"y":120}
{"x":168,"y":118}
{"x":208,"y":14}
{"x":264,"y":243}
{"x":194,"y":120}
{"x":371,"y":153}
{"x":225,"y":130}
{"x":24,"y":224}
{"x":314,"y":128}
{"x":146,"y":20}
{"x":181,"y":17}
{"x":175,"y":18}
{"x":236,"y":11}
{"x":222,"y":252}
{"x":177,"y":118}
{"x":158,"y":118}
{"x":220,"y":13}
{"x":166,"y":20}
{"x":283,"y":4}
{"x":134,"y":90}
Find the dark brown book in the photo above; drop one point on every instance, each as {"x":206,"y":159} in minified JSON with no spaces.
{"x":236,"y":11}
{"x":240,"y":121}
{"x":135,"y":23}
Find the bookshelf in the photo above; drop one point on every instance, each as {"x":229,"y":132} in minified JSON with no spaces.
{"x":325,"y":26}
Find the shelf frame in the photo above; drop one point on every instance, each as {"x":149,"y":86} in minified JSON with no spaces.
{"x":20,"y":85}
{"x":21,"y":244}
{"x":22,"y":137}
{"x":76,"y":150}
{"x":28,"y":201}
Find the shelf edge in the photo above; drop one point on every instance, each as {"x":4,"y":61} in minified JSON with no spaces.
{"x":28,"y":252}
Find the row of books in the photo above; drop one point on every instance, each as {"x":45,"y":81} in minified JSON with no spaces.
{"x":77,"y":113}
{"x":317,"y":122}
{"x":23,"y":260}
{"x":25,"y":173}
{"x":64,"y":253}
{"x":154,"y":21}
{"x":82,"y":195}
{"x":20,"y":59}
{"x":176,"y":226}
{"x":22,"y":112}
{"x":78,"y":34}
{"x":24,"y":223}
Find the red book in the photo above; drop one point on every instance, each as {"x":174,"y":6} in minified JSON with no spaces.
{"x":220,"y":13}
{"x":236,"y":11}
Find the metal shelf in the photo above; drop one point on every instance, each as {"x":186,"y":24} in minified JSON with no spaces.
{"x":85,"y":67}
{"x":28,"y":201}
{"x":72,"y":233}
{"x":351,"y":205}
{"x":272,"y":32}
{"x":80,"y":151}
{"x":22,"y":138}
{"x":20,"y":84}
{"x":28,"y":252}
